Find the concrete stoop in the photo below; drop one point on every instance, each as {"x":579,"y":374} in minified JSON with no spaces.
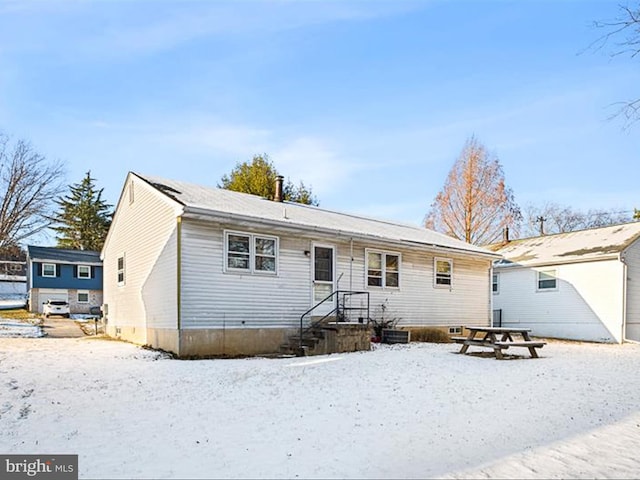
{"x":331,"y":338}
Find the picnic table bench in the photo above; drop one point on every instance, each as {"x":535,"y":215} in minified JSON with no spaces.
{"x":498,"y":339}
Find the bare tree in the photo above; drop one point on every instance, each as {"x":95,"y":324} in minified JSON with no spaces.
{"x":474,"y":205}
{"x":554,"y":218}
{"x":28,"y":185}
{"x":624,"y":34}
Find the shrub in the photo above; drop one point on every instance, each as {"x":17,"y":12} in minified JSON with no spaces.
{"x":431,"y":335}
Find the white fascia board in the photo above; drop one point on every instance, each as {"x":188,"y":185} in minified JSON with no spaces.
{"x":513,"y":266}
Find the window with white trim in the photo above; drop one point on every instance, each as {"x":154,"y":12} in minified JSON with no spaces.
{"x":48,"y":269}
{"x":250,"y":253}
{"x":121,"y":270}
{"x":443,"y":272}
{"x":83,"y":297}
{"x":383,"y":269}
{"x":495,"y":283}
{"x":546,"y":280}
{"x":84,"y":271}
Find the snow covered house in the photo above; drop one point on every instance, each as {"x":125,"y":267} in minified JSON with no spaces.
{"x":73,"y":276}
{"x":582,"y":285}
{"x":201,"y":271}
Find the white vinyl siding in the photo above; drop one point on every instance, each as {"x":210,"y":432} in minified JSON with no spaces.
{"x":213,"y":299}
{"x":584,"y":307}
{"x":143,"y":235}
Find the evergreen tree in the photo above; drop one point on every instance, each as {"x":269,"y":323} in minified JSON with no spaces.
{"x":84,"y":217}
{"x":258,"y":177}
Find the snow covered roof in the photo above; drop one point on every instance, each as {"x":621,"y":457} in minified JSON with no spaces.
{"x":571,"y":247}
{"x":61,"y":255}
{"x":198,"y":199}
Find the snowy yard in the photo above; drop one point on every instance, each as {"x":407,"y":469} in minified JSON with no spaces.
{"x":411,"y":411}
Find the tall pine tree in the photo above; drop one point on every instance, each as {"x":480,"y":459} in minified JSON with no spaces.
{"x":84,"y":217}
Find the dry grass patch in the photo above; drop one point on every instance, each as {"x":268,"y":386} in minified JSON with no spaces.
{"x":430,"y":335}
{"x":20,"y":314}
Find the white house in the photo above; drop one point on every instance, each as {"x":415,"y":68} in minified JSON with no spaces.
{"x":581,"y":285}
{"x":203,"y":271}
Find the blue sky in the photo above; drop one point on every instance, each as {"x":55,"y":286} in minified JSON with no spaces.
{"x":369,"y":102}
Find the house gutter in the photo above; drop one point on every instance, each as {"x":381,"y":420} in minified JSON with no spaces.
{"x":200,"y":212}
{"x":552,"y":263}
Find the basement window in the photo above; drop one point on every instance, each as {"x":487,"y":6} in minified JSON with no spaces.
{"x":455,"y":330}
{"x":83,"y":297}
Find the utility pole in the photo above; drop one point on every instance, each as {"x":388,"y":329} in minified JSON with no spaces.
{"x":541,"y":220}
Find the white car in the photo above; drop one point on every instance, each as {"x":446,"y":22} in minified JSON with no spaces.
{"x":56,"y":307}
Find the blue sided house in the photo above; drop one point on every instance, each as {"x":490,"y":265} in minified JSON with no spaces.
{"x":74,"y":276}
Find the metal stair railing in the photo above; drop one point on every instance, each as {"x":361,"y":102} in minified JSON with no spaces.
{"x":339,"y":309}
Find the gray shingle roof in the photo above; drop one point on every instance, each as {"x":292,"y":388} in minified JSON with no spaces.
{"x":60,"y":255}
{"x":215,"y":201}
{"x":580,"y":246}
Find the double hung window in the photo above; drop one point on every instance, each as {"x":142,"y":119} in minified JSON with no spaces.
{"x":250,"y":253}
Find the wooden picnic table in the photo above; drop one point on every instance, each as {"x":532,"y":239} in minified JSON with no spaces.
{"x":499,"y":339}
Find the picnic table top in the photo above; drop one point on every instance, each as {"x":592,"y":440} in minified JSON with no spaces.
{"x":498,"y":329}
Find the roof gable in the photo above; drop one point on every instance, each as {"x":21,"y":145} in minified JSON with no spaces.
{"x":580,"y":246}
{"x":199,"y":199}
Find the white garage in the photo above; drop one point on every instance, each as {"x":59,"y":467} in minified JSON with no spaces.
{"x":44,"y":294}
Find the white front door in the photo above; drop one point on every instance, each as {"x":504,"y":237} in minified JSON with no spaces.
{"x":323,"y":276}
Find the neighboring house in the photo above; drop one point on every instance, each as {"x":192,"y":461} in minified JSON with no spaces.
{"x":581,"y":285}
{"x":203,"y":271}
{"x":58,"y":274}
{"x":13,"y":278}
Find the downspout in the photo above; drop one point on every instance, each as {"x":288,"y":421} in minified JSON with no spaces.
{"x":351,"y":265}
{"x":179,"y":281}
{"x":491,"y":294}
{"x":624,"y":298}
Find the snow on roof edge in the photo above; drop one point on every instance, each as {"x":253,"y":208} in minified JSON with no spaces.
{"x":439,"y":240}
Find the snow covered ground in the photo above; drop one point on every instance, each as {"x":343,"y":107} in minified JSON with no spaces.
{"x":404,"y":411}
{"x":11,"y":329}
